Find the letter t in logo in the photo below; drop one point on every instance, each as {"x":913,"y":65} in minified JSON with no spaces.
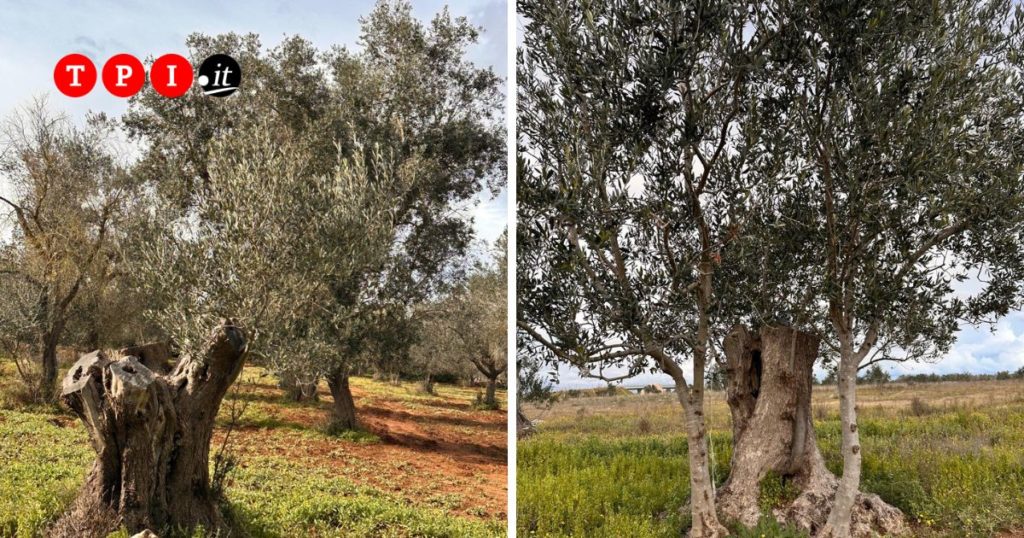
{"x":74,"y":75}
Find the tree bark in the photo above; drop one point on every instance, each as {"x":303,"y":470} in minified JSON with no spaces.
{"x":343,"y":412}
{"x":524,"y":426}
{"x":769,"y":393}
{"x":48,"y":388}
{"x":705,"y":523}
{"x":428,"y":384}
{"x":839,"y":520}
{"x":489,"y":399}
{"x":151,"y":433}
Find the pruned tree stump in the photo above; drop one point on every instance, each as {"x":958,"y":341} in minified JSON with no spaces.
{"x":151,"y":432}
{"x":769,"y":394}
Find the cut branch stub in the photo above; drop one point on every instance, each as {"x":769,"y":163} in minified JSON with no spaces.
{"x":151,"y":433}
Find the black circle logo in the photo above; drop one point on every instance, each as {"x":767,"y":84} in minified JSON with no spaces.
{"x":219,"y":75}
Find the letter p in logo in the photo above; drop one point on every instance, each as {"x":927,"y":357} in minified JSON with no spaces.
{"x":123,"y":75}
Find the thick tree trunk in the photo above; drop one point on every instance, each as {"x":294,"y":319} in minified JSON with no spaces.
{"x":151,"y":433}
{"x":492,"y":386}
{"x":769,"y":393}
{"x":343,"y":412}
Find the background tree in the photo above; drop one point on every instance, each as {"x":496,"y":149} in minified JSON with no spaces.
{"x":481,"y":320}
{"x":875,"y":376}
{"x":69,"y":193}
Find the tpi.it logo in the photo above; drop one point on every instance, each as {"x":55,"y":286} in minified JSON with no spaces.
{"x":124,"y":75}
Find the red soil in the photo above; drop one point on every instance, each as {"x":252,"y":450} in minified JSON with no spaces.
{"x":435,"y":451}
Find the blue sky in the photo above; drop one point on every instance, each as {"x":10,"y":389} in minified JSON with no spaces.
{"x":981,"y":350}
{"x":34,"y":35}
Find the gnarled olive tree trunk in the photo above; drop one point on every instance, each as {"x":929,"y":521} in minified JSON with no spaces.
{"x":343,"y":412}
{"x":151,"y":432}
{"x":769,"y":395}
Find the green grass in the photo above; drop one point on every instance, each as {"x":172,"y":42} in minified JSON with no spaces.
{"x":44,"y":464}
{"x":41,"y":467}
{"x":957,"y":472}
{"x":45,"y":455}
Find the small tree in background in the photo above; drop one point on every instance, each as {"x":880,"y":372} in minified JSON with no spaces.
{"x":69,"y":195}
{"x":875,"y":376}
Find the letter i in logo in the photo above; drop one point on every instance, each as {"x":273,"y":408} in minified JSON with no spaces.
{"x":171,"y":75}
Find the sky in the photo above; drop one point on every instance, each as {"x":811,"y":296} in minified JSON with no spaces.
{"x":978,"y":350}
{"x":34,"y":35}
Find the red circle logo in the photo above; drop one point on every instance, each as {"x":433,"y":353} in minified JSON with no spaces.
{"x":74,"y":75}
{"x":123,"y":75}
{"x":171,"y":75}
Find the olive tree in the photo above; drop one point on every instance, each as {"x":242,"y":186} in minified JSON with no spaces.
{"x":253,"y":257}
{"x":901,"y":126}
{"x":65,"y":192}
{"x":409,"y":89}
{"x":636,"y":127}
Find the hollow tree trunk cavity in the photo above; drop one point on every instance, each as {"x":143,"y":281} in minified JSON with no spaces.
{"x":151,"y":433}
{"x":343,"y":412}
{"x":769,"y":394}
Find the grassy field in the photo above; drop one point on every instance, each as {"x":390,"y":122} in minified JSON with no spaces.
{"x":427,"y":465}
{"x":950,"y":455}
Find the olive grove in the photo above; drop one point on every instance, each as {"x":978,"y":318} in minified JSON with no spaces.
{"x":307,"y":224}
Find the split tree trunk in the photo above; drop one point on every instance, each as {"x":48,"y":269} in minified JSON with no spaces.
{"x":769,"y":393}
{"x":151,"y":433}
{"x":343,"y":412}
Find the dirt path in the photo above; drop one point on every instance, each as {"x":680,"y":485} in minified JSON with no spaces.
{"x":433,"y":451}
